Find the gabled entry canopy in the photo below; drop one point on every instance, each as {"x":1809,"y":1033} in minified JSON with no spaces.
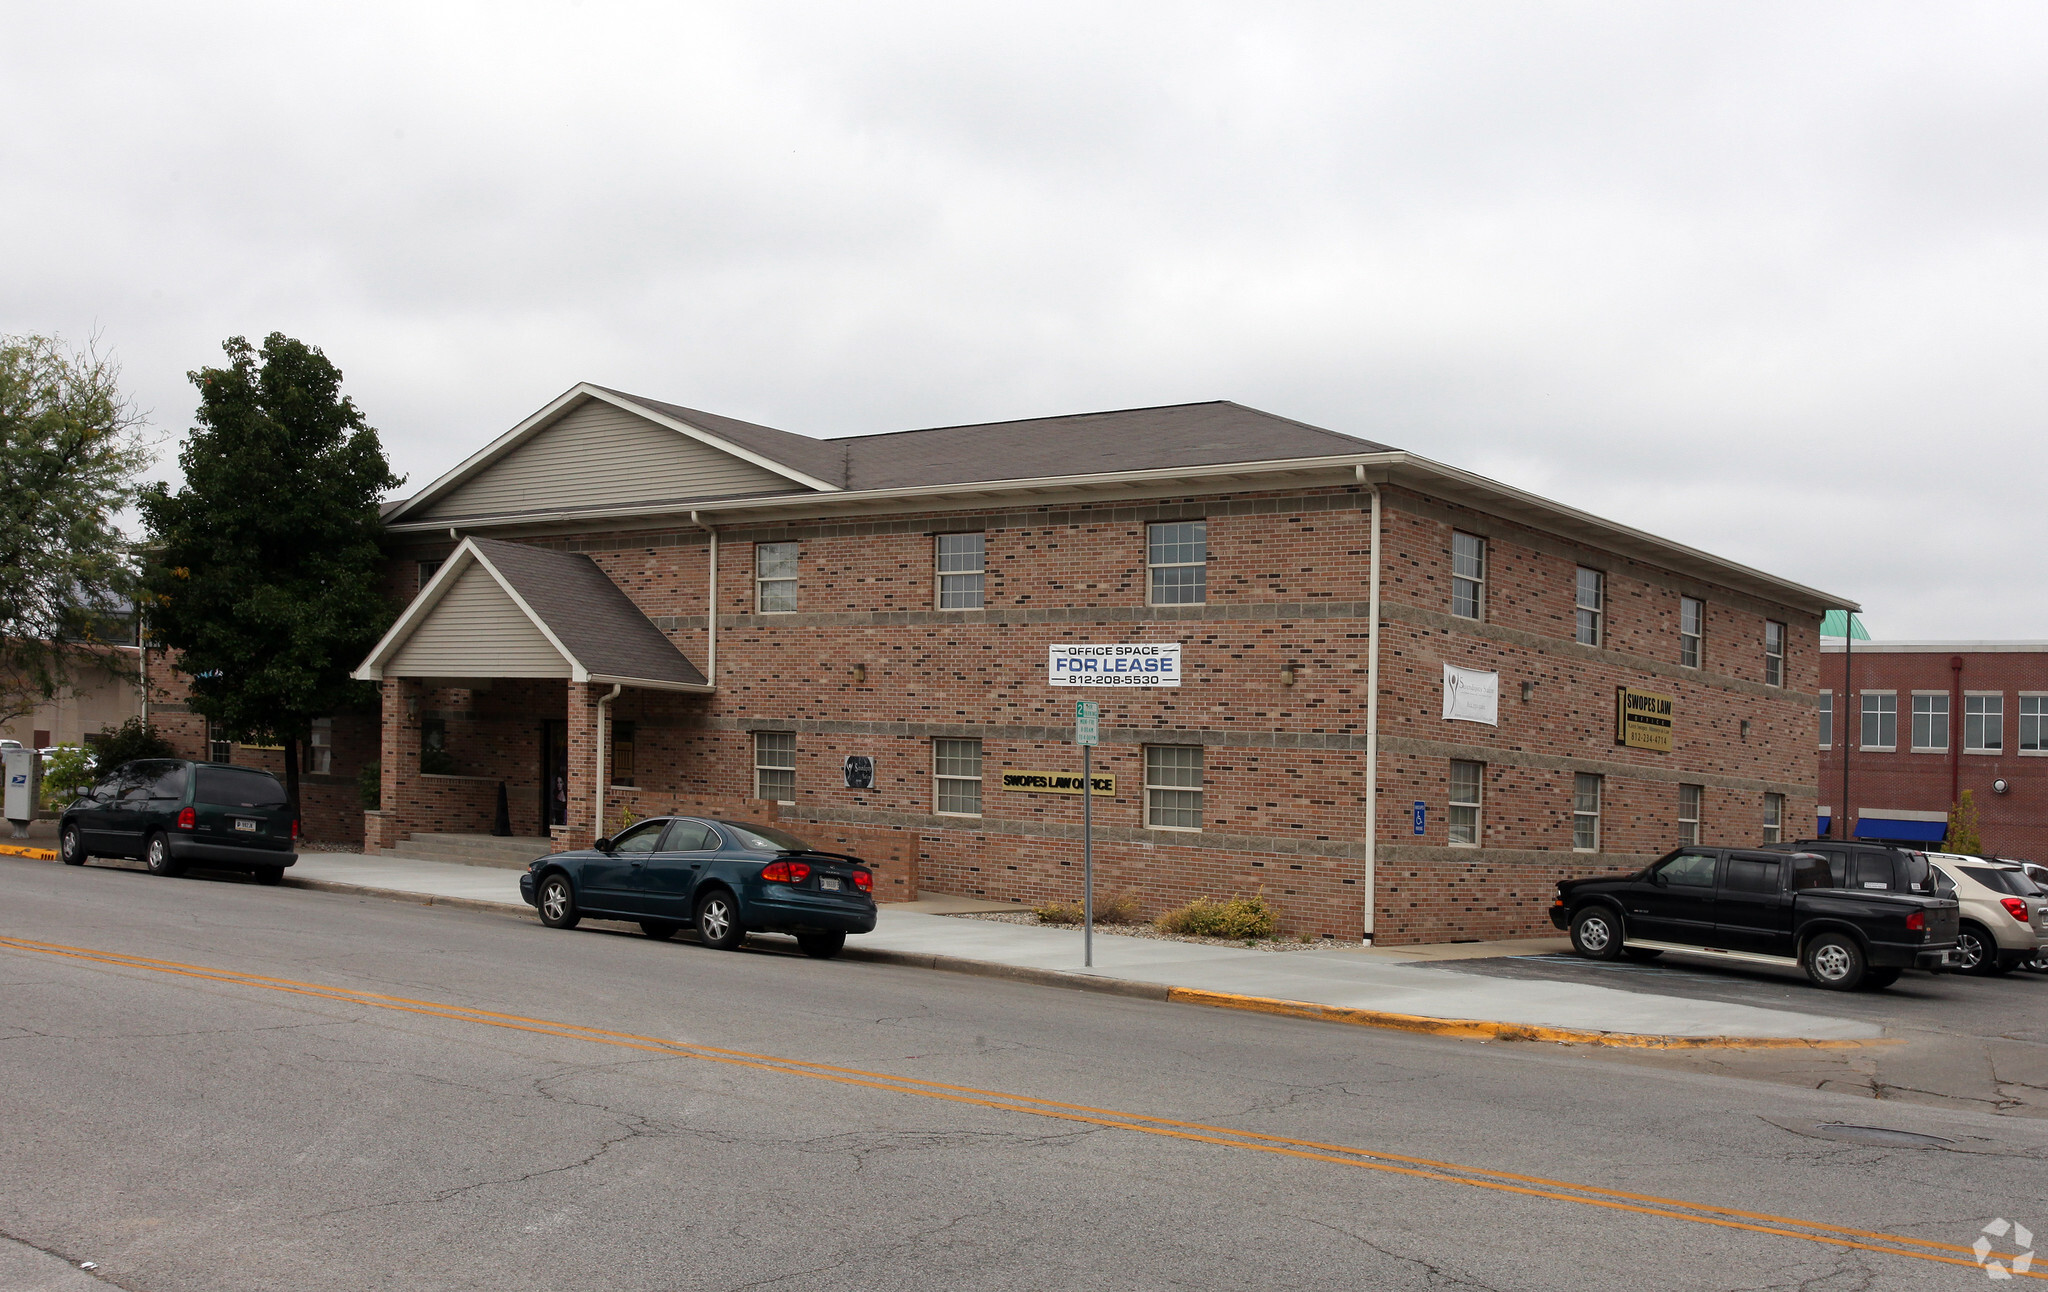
{"x":498,"y":609}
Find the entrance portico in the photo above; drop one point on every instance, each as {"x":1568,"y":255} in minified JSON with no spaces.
{"x":504,"y":671}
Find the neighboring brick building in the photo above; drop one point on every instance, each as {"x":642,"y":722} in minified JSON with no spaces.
{"x":1931,"y":719}
{"x":894,"y":597}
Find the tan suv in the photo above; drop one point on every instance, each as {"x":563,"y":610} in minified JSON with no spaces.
{"x":2005,"y":916}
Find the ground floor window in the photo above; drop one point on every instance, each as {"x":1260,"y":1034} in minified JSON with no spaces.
{"x":1774,"y":817}
{"x":1466,"y":779}
{"x":218,"y":748}
{"x":1173,"y":787}
{"x":621,"y":766}
{"x":1585,"y":813}
{"x":1691,"y":798}
{"x":319,"y":760}
{"x":775,"y":766}
{"x":435,"y":760}
{"x":956,"y":773}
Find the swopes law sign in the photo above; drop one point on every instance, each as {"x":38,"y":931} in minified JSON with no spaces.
{"x":1130,"y":664}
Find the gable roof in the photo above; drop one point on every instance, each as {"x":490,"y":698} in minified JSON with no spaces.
{"x":588,"y":620}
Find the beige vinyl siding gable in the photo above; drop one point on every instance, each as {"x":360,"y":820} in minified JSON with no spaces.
{"x":599,"y":454}
{"x":476,"y":630}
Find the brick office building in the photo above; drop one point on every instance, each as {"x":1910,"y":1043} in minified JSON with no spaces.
{"x":1931,"y":719}
{"x":623,"y":607}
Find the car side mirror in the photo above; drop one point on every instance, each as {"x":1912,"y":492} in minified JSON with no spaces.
{"x":604,"y":844}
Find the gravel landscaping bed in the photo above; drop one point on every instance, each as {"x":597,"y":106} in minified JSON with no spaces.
{"x":1147,"y":931}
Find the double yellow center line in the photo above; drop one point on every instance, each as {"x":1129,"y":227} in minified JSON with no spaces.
{"x":1197,"y":1132}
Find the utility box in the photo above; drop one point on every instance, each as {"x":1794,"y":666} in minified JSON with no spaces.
{"x":24,"y":788}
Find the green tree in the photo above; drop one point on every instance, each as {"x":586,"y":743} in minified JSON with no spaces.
{"x":1962,"y":825}
{"x":266,"y":573}
{"x":70,"y":445}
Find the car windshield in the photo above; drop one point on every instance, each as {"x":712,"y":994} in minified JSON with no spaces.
{"x":765,"y":838}
{"x":2010,"y":882}
{"x":238,"y":787}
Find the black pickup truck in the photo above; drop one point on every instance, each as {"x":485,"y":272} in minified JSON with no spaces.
{"x":1787,"y":909}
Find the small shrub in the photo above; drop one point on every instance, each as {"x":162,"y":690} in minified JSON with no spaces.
{"x":67,"y":774}
{"x":1121,"y":909}
{"x":132,"y":740}
{"x":1241,"y":917}
{"x":1058,"y":912}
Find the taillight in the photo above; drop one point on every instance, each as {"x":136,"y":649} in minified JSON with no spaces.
{"x":2017,"y":908}
{"x":1916,"y":922}
{"x":786,"y":872}
{"x":864,"y":881}
{"x":188,"y":819}
{"x":295,"y":829}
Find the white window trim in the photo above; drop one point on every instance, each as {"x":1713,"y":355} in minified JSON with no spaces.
{"x":2027,"y":753}
{"x":1700,"y":636}
{"x":1146,"y":787}
{"x":760,"y":584}
{"x":1597,"y":813}
{"x":1774,"y":831}
{"x":981,"y":782}
{"x":1933,"y":749}
{"x":1878,"y":749}
{"x":1833,"y":717}
{"x":1485,"y":568}
{"x":1784,"y":650}
{"x":1599,"y":611}
{"x":1477,"y":805}
{"x":1696,"y":820}
{"x":760,"y":766}
{"x":1984,"y":695}
{"x":1203,"y":564}
{"x":939,"y":576}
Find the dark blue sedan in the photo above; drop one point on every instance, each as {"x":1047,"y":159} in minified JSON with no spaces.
{"x":727,"y":878}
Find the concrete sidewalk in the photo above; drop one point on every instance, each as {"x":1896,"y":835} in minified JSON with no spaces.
{"x":1384,"y":987}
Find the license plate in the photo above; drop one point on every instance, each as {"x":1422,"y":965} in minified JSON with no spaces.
{"x":829,"y":885}
{"x":249,"y":826}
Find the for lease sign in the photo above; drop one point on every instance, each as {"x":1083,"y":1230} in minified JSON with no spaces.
{"x":1129,"y":664}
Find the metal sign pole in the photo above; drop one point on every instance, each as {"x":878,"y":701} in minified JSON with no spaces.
{"x":1087,"y":863}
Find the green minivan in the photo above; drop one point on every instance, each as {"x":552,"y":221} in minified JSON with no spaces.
{"x":172,"y":814}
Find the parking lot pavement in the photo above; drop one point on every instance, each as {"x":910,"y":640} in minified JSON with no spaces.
{"x":1960,"y":1041}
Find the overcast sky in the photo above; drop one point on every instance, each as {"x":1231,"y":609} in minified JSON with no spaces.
{"x":1769,"y":279}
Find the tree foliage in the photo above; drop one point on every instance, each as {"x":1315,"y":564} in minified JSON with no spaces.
{"x":132,"y":741}
{"x":268,"y":562}
{"x":1963,"y":831}
{"x":70,"y":445}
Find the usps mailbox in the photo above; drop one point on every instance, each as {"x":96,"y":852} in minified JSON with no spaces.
{"x":24,"y":788}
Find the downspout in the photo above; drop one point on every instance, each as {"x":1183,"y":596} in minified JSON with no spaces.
{"x":604,"y":704}
{"x":1955,"y":730}
{"x":1849,"y":736}
{"x":1372,"y":719}
{"x":710,"y":605}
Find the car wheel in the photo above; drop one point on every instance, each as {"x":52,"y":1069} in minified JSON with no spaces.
{"x":557,"y":902}
{"x":158,"y":855}
{"x":269,"y":874}
{"x":1976,"y":951}
{"x":1879,"y":979}
{"x":1596,"y":933}
{"x":1641,"y":953}
{"x":821,"y":946}
{"x":718,"y":922}
{"x":1834,"y":961}
{"x":659,"y":930}
{"x":71,"y":846}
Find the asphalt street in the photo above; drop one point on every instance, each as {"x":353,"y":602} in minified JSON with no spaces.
{"x":209,"y":1084}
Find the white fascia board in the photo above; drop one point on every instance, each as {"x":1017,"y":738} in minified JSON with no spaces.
{"x":691,"y":688}
{"x":1898,"y":814}
{"x":712,"y":439}
{"x":372,"y":667}
{"x":489,"y":453}
{"x":577,"y":673}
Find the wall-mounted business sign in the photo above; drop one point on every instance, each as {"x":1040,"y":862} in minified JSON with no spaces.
{"x":1642,"y":719}
{"x":1471,"y":695}
{"x":1058,"y":783}
{"x":1129,"y":664}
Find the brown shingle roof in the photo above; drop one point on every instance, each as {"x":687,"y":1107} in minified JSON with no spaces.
{"x":588,"y":613}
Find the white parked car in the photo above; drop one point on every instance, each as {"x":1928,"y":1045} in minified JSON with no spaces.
{"x":2005,"y":914}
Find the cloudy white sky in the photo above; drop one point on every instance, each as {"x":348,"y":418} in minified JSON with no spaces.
{"x":1770,"y":279}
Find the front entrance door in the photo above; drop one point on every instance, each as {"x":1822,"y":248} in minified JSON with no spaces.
{"x":554,"y":773}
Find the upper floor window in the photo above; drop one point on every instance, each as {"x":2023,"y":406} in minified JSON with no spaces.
{"x":1692,"y":631}
{"x":1880,"y":721}
{"x":1177,"y":563}
{"x":1592,"y":605}
{"x":1468,"y":575}
{"x":775,"y":578}
{"x":961,"y":565}
{"x":1774,"y":817}
{"x":1827,"y":719}
{"x":2034,"y":724}
{"x":1930,"y":723}
{"x":1983,"y":724}
{"x":427,"y":571}
{"x":1774,"y":653}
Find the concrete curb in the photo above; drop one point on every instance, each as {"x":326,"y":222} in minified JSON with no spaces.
{"x":23,"y":850}
{"x":1457,"y":1028}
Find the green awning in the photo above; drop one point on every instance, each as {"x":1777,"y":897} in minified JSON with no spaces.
{"x":1831,"y":625}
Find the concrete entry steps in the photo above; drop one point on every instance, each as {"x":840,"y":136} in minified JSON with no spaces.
{"x":511,"y":853}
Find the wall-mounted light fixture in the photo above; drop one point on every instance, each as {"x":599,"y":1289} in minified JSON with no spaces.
{"x":1287,"y":675}
{"x":860,"y":674}
{"x":1528,"y":692}
{"x":2000,"y":786}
